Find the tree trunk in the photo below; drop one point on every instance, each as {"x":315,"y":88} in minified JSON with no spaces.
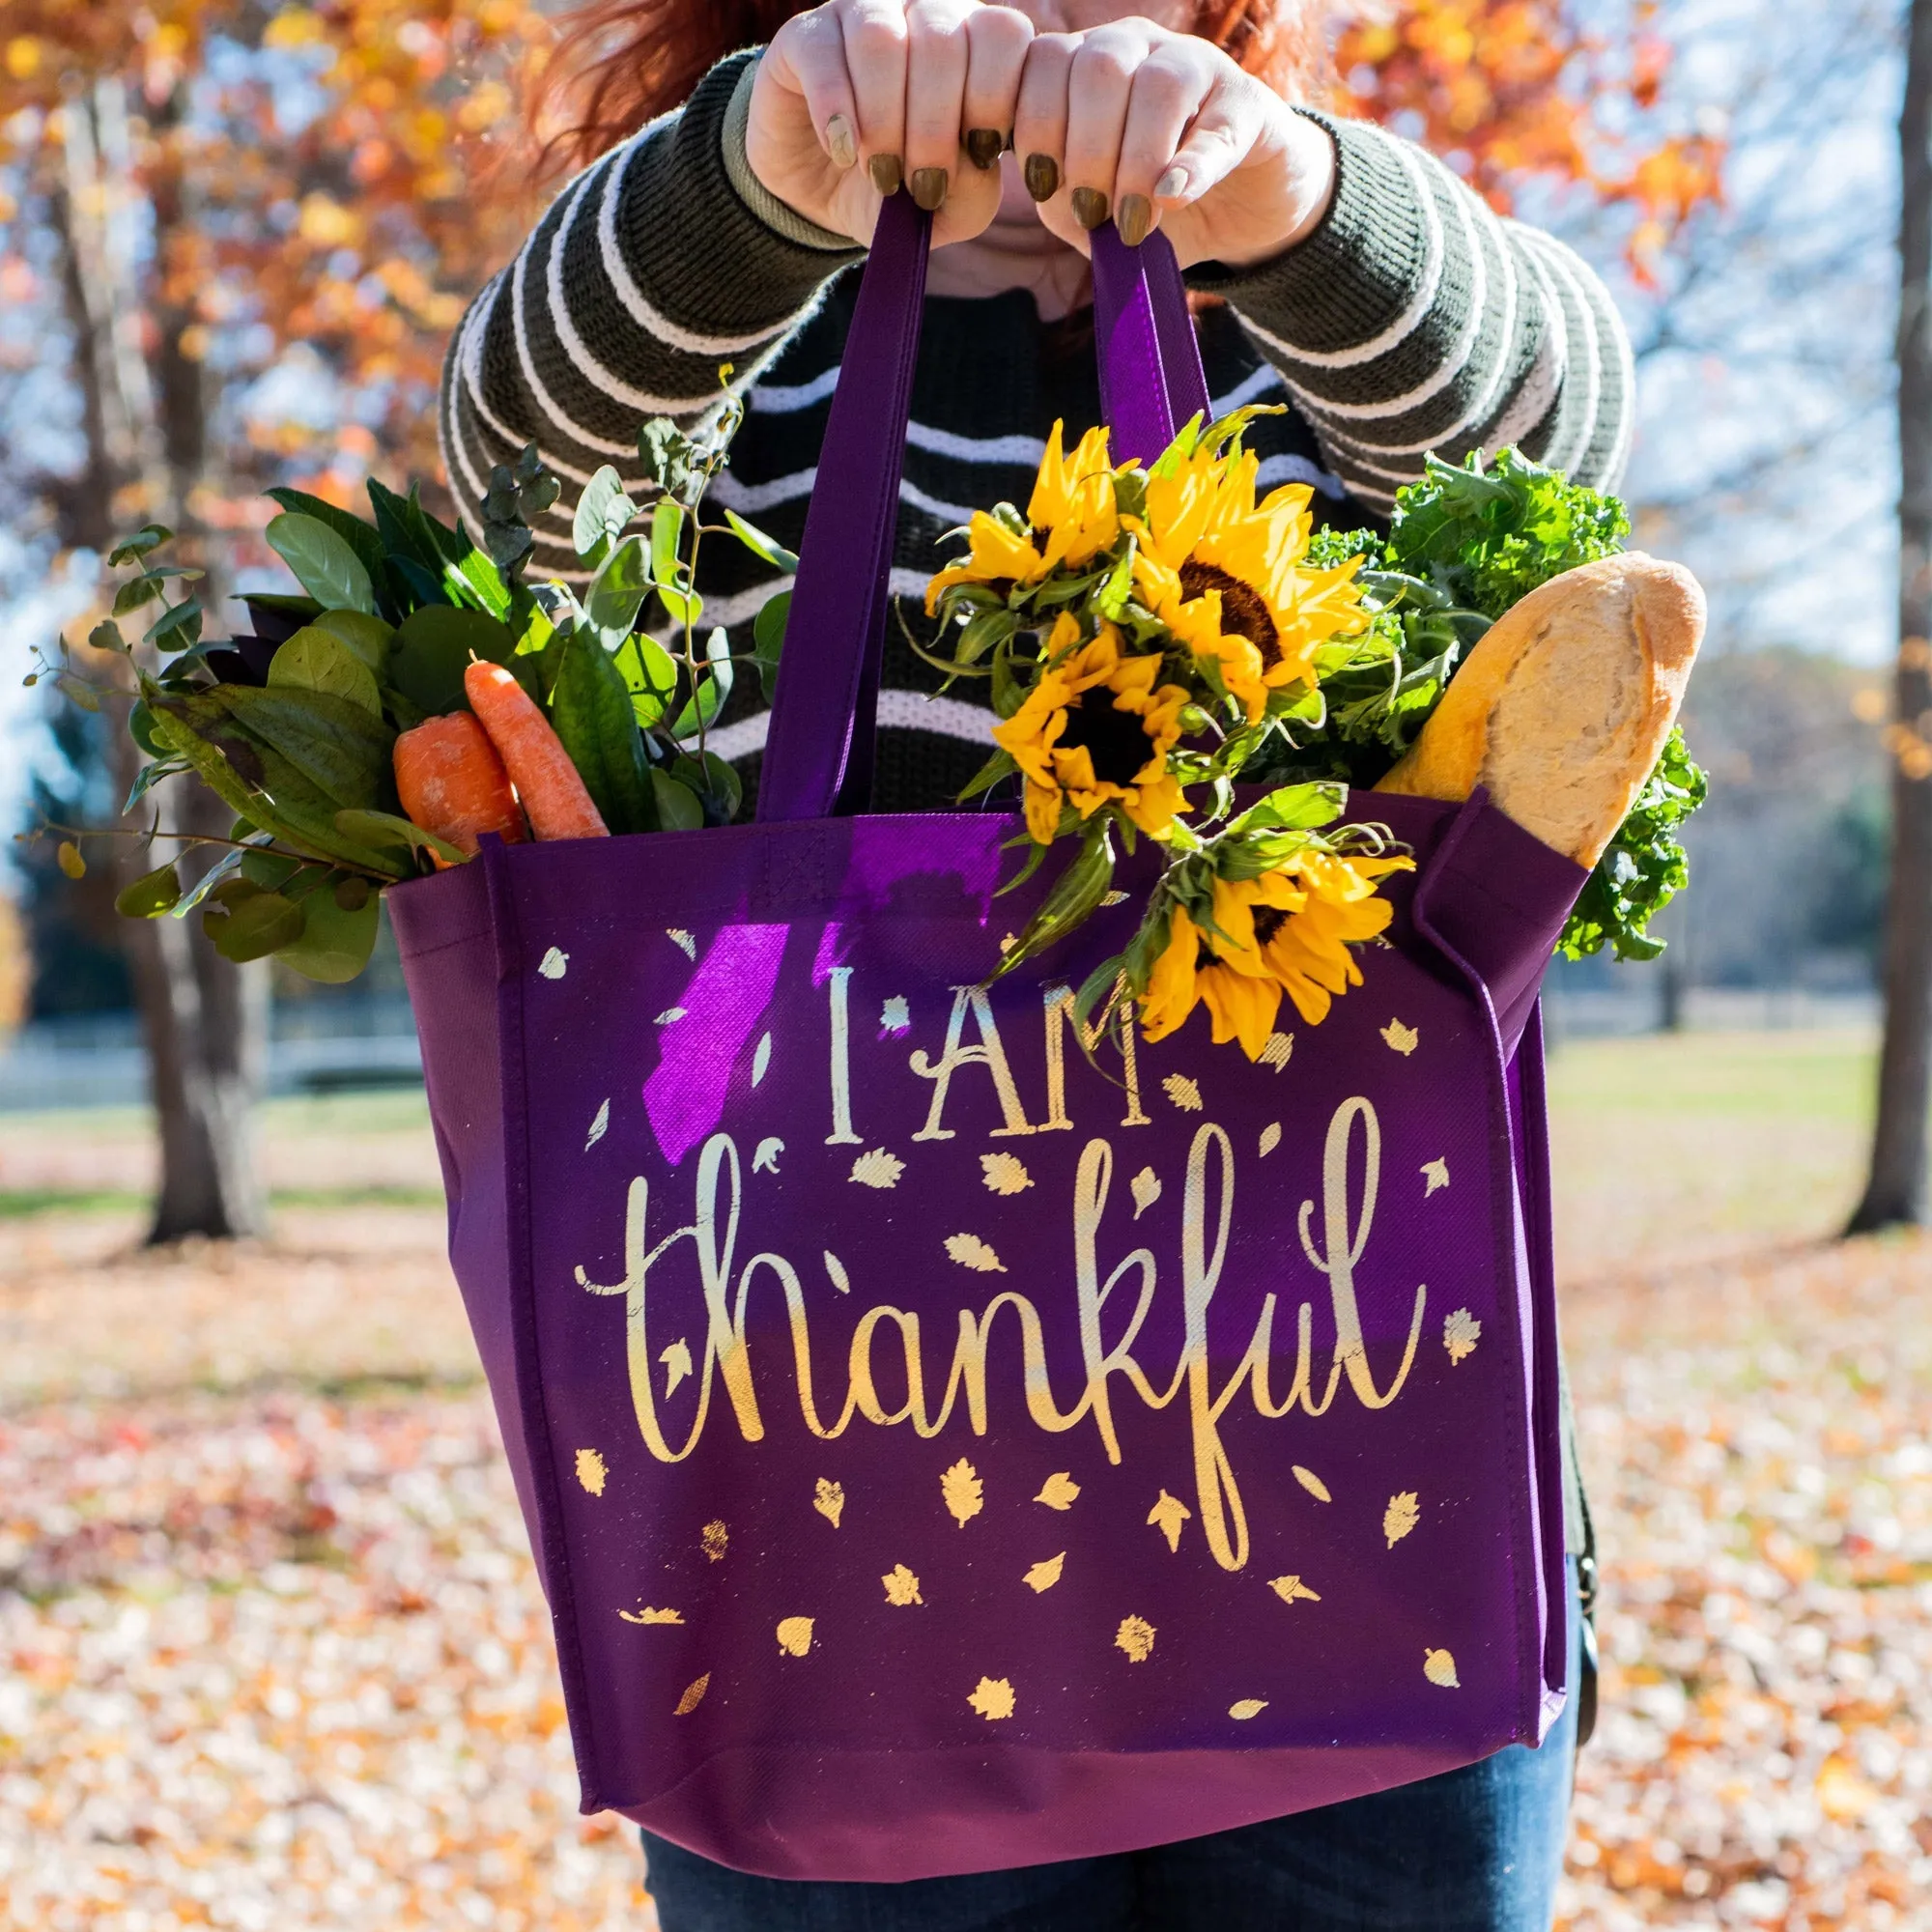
{"x":1896,"y":1192}
{"x":203,"y":1020}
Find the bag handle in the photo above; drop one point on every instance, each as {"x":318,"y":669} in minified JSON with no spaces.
{"x":820,"y":748}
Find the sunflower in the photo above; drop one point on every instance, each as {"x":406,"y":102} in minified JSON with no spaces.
{"x":1286,"y":932}
{"x":1188,"y":973}
{"x":1294,"y":925}
{"x":1070,"y":520}
{"x":1226,"y":576}
{"x":1096,"y":728}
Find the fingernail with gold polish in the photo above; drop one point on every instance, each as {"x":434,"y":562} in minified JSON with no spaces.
{"x":838,"y":142}
{"x":983,"y":146}
{"x":1089,"y":206}
{"x":1042,"y":177}
{"x":887,"y":173}
{"x":928,"y":187}
{"x":1134,"y":218}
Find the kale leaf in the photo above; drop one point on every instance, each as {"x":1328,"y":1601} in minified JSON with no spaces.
{"x":1489,"y":537}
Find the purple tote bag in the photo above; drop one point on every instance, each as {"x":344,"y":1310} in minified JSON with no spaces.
{"x":940,"y":1455}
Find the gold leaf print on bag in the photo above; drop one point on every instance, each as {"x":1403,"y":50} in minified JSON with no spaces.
{"x":1293,"y":1590}
{"x":877,"y":1168}
{"x":648,"y":1616}
{"x":694,"y":1695}
{"x":829,"y":1500}
{"x":1044,"y":1575}
{"x":1440,"y":1667}
{"x":1058,"y":1491}
{"x":676,"y":1361}
{"x":1311,"y":1482}
{"x":1277,"y":1050}
{"x":1403,"y":1040}
{"x":599,"y":1127}
{"x":765,"y":1159}
{"x":670,"y":1016}
{"x":1436,"y":1174}
{"x":1461,"y":1332}
{"x":1248,"y":1707}
{"x":1166,"y":1516}
{"x":553,"y":964}
{"x":1185,"y":1094}
{"x":835,"y":1273}
{"x":591,"y":1470}
{"x":962,"y":1491}
{"x":1136,"y":1636}
{"x":971,"y":1252}
{"x":761,"y":1060}
{"x":1402,"y":1515}
{"x":795,"y":1635}
{"x":1271,"y":1138}
{"x":1146,"y":1190}
{"x":896,"y":1015}
{"x":714,"y":1539}
{"x":992,"y":1697}
{"x":1005,"y":1173}
{"x":685,"y":942}
{"x":902,"y":1585}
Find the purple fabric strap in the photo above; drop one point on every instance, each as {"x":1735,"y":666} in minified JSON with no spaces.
{"x":818,"y":748}
{"x":1150,"y":376}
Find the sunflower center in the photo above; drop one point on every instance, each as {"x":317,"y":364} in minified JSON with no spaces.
{"x":1268,"y":920}
{"x":1244,"y":612}
{"x":1113,"y":739}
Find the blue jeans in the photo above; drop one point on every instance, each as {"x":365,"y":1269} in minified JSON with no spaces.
{"x":1475,"y":1850}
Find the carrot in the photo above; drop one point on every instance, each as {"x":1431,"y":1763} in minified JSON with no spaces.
{"x":554,"y":796}
{"x":452,"y":783}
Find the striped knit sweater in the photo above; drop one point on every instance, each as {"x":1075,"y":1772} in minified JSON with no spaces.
{"x":1412,"y":319}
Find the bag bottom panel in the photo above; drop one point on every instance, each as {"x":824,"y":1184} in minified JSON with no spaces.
{"x":885,"y":1817}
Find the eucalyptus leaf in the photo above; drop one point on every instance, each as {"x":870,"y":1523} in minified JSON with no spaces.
{"x":151,"y":775}
{"x":768,"y":629}
{"x":258,"y":926}
{"x":135,"y":592}
{"x":666,"y":531}
{"x":617,"y":592}
{"x":603,"y":513}
{"x":678,"y":806}
{"x":317,"y":660}
{"x":760,"y":545}
{"x":324,"y":563}
{"x":130,"y":549}
{"x":177,"y":628}
{"x":708,"y":699}
{"x":650,"y":675}
{"x":337,"y":747}
{"x":336,"y":939}
{"x":151,"y":895}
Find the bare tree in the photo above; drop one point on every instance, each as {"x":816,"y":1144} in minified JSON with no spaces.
{"x":1895,"y":1191}
{"x":144,"y":413}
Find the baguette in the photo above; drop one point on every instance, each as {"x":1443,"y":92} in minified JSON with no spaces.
{"x":1562,"y":709}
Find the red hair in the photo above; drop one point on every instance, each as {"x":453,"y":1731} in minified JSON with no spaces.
{"x":619,"y":63}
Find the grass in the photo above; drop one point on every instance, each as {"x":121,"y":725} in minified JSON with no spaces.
{"x":25,"y":1203}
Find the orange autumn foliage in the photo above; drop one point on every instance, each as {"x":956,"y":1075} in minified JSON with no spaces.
{"x":1508,"y":90}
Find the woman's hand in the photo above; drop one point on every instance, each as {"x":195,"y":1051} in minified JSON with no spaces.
{"x":857,"y":95}
{"x":1161,"y":129}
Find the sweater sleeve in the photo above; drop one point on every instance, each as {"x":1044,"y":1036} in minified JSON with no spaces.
{"x":1414,"y":319}
{"x":655,"y":265}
